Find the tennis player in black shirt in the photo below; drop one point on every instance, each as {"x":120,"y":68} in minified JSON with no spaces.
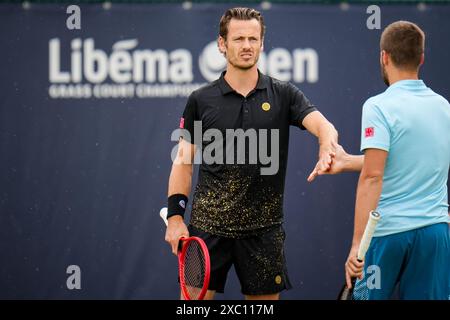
{"x":237,"y":203}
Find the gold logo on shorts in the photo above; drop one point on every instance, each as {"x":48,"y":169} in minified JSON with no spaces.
{"x":265,"y":106}
{"x":278,"y":279}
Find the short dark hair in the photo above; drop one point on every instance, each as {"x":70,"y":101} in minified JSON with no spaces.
{"x":404,"y":41}
{"x":239,"y":14}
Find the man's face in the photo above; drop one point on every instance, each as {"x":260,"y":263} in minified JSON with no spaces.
{"x":243,"y":44}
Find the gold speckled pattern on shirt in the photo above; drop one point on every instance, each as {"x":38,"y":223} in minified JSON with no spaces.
{"x":239,"y":203}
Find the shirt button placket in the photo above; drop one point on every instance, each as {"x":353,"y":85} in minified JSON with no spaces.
{"x":245,"y":120}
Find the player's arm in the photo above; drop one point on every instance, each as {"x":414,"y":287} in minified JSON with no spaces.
{"x":369,"y":189}
{"x":367,"y":196}
{"x":352,"y":163}
{"x":180,"y":179}
{"x":327,"y":135}
{"x":180,"y":182}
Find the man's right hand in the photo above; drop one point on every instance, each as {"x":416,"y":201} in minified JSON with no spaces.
{"x":176,"y":229}
{"x":353,"y":267}
{"x":338,"y":164}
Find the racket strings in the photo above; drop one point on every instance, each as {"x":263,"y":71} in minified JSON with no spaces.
{"x":361,"y":291}
{"x":194,"y":269}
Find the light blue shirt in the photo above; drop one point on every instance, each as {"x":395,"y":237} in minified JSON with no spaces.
{"x":412,"y":123}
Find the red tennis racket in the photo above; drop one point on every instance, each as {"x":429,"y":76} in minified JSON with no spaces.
{"x":193,"y":265}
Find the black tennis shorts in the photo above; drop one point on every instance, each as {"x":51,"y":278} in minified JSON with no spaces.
{"x":259,"y":261}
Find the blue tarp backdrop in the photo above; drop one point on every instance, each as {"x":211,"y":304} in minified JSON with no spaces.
{"x":86,"y":118}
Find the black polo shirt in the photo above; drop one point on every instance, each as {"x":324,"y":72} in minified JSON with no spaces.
{"x":236,"y":200}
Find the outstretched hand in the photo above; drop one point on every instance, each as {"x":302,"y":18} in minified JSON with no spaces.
{"x":336,"y":164}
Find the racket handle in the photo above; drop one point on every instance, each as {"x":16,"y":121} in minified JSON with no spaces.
{"x":163,"y":215}
{"x":374,"y":217}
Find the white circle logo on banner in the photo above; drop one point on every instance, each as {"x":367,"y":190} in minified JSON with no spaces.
{"x":211,"y":62}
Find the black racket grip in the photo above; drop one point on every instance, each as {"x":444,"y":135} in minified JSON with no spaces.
{"x":180,"y":243}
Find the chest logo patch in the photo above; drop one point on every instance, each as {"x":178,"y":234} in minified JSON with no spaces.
{"x":278,"y":279}
{"x":265,"y":106}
